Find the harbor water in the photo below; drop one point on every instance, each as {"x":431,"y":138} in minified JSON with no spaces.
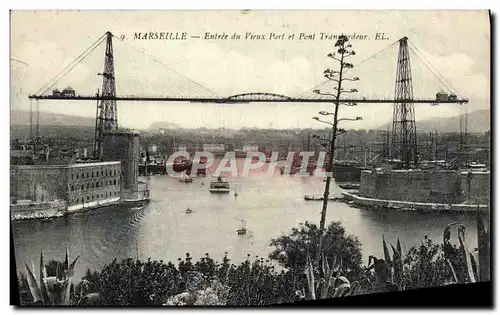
{"x":270,"y":206}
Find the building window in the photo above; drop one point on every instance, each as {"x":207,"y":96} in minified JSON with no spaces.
{"x":72,"y":187}
{"x":77,"y":176}
{"x":88,"y":185}
{"x":72,"y":176}
{"x":82,"y":187}
{"x":92,"y":185}
{"x":114,"y":181}
{"x":88,"y":198}
{"x":97,"y":184}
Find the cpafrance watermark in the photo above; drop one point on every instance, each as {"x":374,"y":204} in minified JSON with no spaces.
{"x":252,"y":161}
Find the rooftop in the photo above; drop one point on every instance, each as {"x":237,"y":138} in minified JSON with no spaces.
{"x":62,"y":166}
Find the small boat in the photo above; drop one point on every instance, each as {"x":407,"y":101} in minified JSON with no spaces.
{"x":219,"y":186}
{"x":349,"y":186}
{"x":185,"y":178}
{"x":188,"y":210}
{"x":310,"y":197}
{"x":243,"y":229}
{"x":330,"y":198}
{"x":235,"y":192}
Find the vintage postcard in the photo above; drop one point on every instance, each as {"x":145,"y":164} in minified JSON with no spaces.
{"x":243,"y":158}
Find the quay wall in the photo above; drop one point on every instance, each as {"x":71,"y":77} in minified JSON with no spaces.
{"x":446,"y":187}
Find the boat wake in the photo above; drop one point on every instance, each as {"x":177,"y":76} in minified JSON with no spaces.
{"x":115,"y":232}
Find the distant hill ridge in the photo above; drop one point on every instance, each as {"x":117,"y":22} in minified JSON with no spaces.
{"x":21,"y":117}
{"x":478,"y":121}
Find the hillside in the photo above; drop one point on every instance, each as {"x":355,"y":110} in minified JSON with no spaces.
{"x":19,"y":118}
{"x":157,"y":125}
{"x":478,"y":122}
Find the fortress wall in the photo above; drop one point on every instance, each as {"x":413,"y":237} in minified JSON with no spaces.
{"x":39,"y":183}
{"x":415,"y":186}
{"x":477,"y":187}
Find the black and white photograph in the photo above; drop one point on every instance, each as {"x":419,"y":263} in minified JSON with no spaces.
{"x":239,"y":158}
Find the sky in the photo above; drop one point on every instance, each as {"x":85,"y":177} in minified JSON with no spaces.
{"x":454,"y":44}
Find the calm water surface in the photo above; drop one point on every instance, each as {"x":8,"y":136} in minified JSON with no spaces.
{"x":269,"y":205}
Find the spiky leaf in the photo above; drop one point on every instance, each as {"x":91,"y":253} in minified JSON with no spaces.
{"x":71,"y":269}
{"x":310,"y":279}
{"x":66,"y":260}
{"x":66,"y":292}
{"x":34,"y":288}
{"x":341,"y":290}
{"x":91,"y":299}
{"x":465,"y":252}
{"x":387,"y":255}
{"x":43,"y":275}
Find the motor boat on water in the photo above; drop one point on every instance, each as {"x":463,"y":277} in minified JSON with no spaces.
{"x":243,"y":229}
{"x":219,"y":186}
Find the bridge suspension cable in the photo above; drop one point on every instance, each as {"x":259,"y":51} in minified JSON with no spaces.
{"x":430,"y":67}
{"x":145,"y":54}
{"x":214,"y":98}
{"x":356,"y":65}
{"x":71,"y":66}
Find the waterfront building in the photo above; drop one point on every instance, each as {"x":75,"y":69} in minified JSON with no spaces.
{"x":47,"y":190}
{"x":73,"y":187}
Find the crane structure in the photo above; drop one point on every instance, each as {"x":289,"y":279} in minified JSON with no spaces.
{"x":404,"y":132}
{"x":106,"y":116}
{"x":404,"y":129}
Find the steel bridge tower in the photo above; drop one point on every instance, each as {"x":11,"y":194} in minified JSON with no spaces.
{"x":404,"y":132}
{"x":106,"y":116}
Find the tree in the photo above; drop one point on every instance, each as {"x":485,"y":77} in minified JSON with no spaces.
{"x":343,"y":50}
{"x":293,"y":250}
{"x":132,"y":282}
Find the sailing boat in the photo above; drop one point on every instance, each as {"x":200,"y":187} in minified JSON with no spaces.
{"x":185,"y":178}
{"x":243,"y":229}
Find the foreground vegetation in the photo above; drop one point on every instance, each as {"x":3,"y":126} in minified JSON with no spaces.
{"x":255,"y":281}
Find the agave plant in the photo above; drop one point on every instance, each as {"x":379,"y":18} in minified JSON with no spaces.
{"x":53,"y":290}
{"x":331,"y":280}
{"x":463,"y":263}
{"x":483,"y":246}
